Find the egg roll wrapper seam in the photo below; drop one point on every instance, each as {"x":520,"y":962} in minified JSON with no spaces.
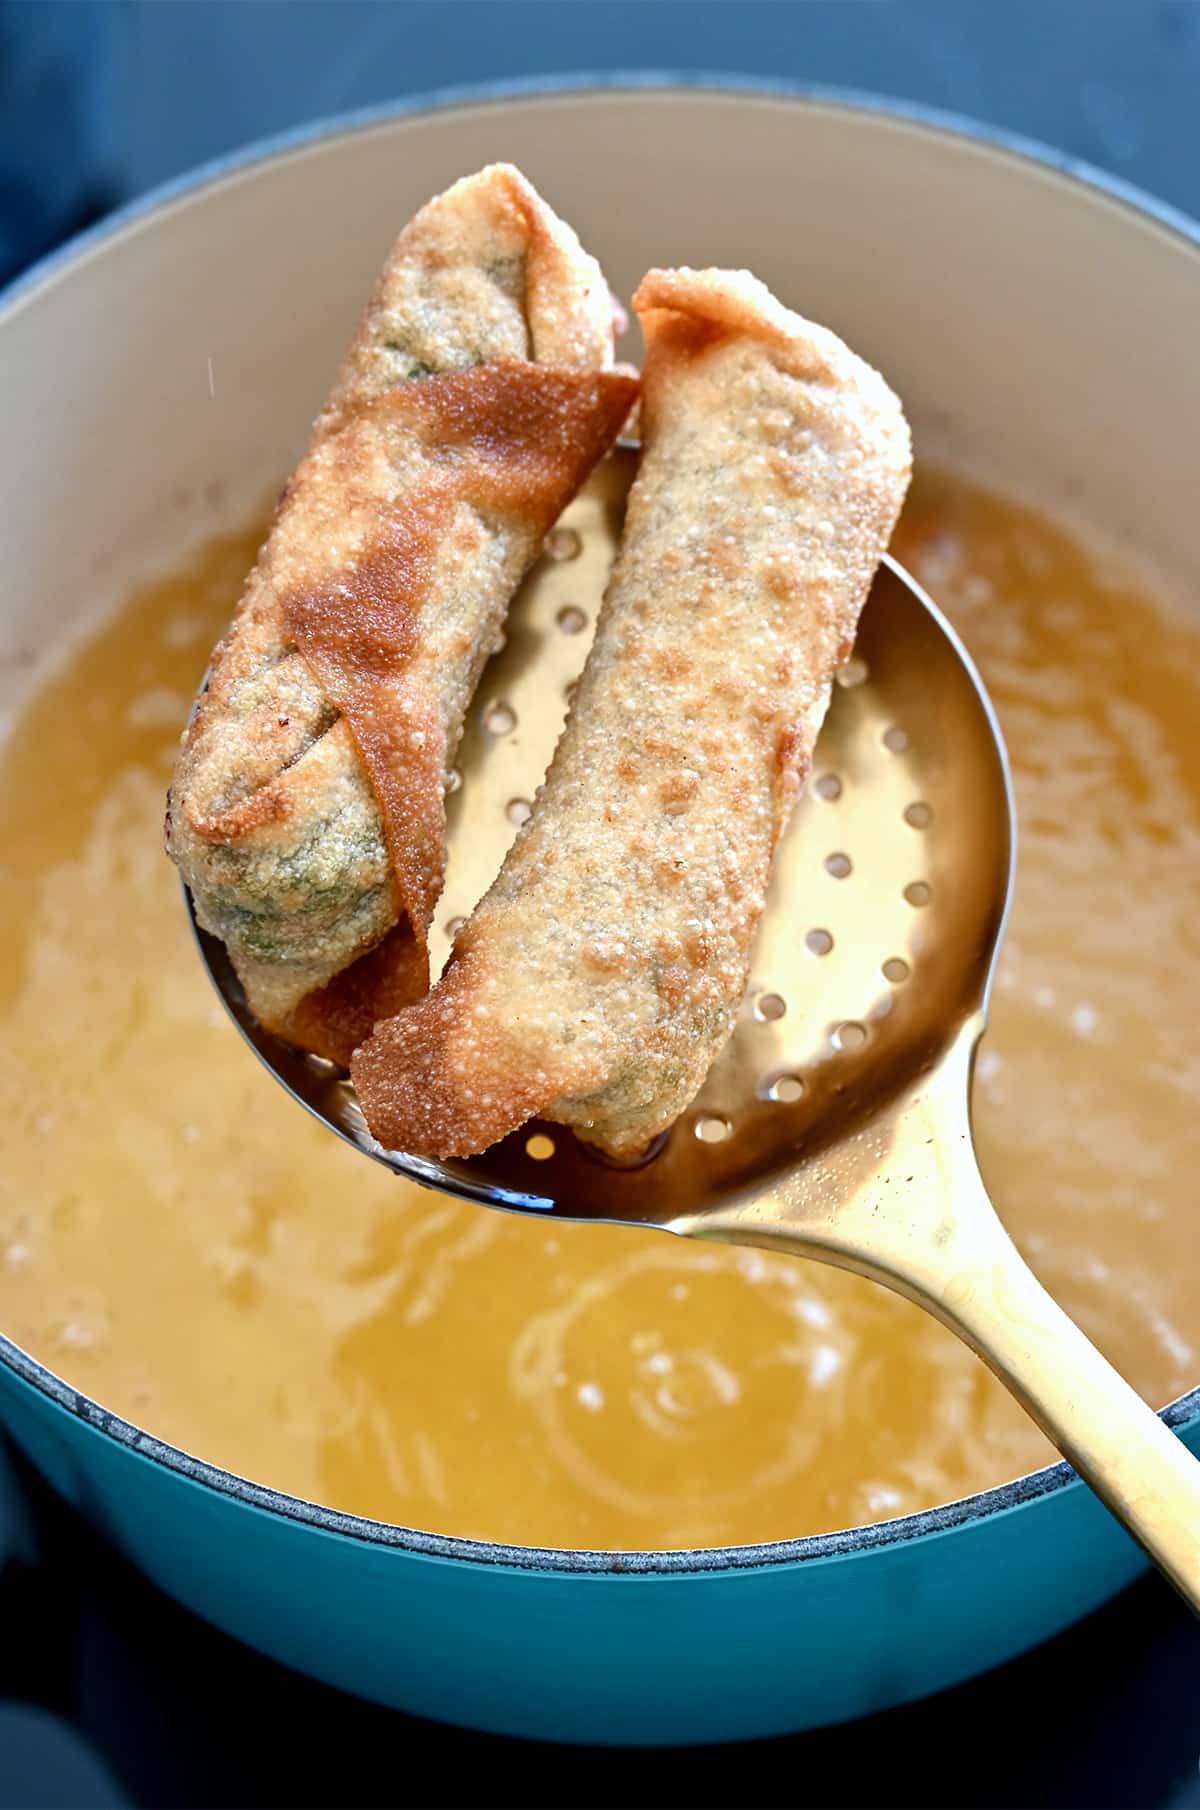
{"x":502,"y":439}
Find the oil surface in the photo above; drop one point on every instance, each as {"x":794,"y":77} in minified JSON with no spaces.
{"x":178,"y":1241}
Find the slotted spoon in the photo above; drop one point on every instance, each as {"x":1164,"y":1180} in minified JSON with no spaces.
{"x":836,"y":1124}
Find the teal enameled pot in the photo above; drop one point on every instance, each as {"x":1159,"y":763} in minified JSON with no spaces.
{"x":1039,"y":320}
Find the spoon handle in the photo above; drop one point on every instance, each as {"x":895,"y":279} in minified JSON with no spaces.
{"x":1143,"y":1472}
{"x":904,"y":1203}
{"x":934,"y":1235}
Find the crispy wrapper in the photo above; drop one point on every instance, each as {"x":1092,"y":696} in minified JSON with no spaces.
{"x":600,"y":976}
{"x":306,"y":812}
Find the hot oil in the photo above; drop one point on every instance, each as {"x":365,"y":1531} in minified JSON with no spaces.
{"x":181,"y":1243}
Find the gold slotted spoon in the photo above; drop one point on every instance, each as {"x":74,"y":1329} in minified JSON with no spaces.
{"x":836,"y":1122}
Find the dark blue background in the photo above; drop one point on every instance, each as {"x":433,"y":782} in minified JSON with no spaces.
{"x":101,"y":99}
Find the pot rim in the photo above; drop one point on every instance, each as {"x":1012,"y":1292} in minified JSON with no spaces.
{"x":938,"y":122}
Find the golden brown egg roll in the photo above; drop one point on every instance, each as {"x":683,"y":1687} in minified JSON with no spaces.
{"x":599,"y":977}
{"x":307,"y":808}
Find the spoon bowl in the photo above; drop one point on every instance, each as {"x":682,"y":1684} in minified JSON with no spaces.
{"x":883,"y":917}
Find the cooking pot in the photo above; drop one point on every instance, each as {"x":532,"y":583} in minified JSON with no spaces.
{"x":159,"y":376}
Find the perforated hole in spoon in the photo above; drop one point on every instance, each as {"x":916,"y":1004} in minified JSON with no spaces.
{"x":499,"y":719}
{"x":873,"y":946}
{"x":563,"y":543}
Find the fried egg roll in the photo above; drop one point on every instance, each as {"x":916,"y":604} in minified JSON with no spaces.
{"x":599,"y":977}
{"x":307,"y":808}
